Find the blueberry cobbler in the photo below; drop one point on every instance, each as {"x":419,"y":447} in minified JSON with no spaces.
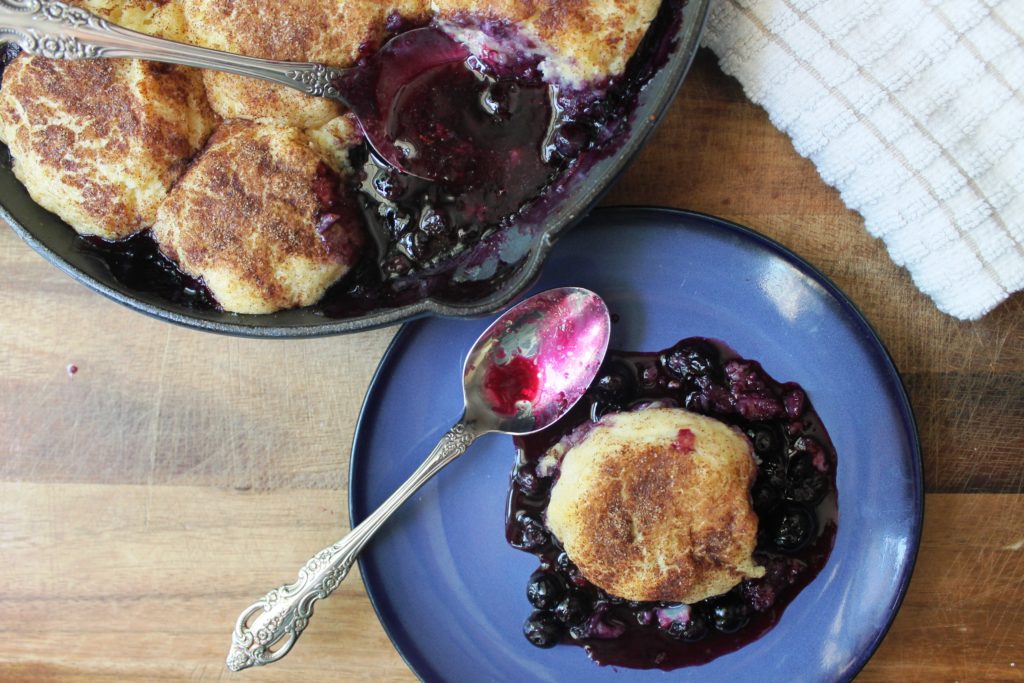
{"x":676,"y":511}
{"x":217,"y":191}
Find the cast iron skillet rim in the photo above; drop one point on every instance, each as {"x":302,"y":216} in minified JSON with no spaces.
{"x":906,"y":413}
{"x":575,"y":209}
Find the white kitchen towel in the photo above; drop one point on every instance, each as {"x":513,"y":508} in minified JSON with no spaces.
{"x":914,"y":111}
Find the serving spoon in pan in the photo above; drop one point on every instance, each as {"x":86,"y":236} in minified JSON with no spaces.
{"x":383,"y":90}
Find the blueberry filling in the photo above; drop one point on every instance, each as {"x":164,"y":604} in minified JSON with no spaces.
{"x":423,"y":232}
{"x":794,"y":497}
{"x":139,"y":264}
{"x":543,"y":629}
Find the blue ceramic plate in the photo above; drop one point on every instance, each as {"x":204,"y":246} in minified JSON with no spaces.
{"x":449,"y":590}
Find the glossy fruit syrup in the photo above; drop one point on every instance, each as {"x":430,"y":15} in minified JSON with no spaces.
{"x":794,"y":497}
{"x":482,"y":140}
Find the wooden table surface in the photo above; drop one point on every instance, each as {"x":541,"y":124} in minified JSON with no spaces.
{"x":147,"y":499}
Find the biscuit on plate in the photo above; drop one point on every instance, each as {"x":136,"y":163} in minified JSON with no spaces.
{"x":654,"y":505}
{"x":261,"y":219}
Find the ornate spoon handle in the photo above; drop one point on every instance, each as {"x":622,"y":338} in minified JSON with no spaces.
{"x":59,"y":31}
{"x":268,"y":629}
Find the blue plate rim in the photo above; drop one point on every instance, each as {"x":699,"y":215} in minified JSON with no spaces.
{"x":794,"y":259}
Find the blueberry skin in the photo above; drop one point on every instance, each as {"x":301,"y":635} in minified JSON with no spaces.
{"x":794,"y":528}
{"x":572,"y":610}
{"x":690,"y":361}
{"x":696,"y":628}
{"x":730,"y":617}
{"x":532,"y":534}
{"x":544,"y":590}
{"x":543,"y":630}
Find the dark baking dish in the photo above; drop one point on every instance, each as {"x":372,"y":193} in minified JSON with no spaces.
{"x":492,"y":274}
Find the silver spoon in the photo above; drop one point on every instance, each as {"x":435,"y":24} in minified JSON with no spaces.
{"x":56,"y":30}
{"x":523,"y":373}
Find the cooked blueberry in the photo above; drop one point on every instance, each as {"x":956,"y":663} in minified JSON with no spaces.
{"x":577,"y":578}
{"x":795,"y":401}
{"x":611,"y":384}
{"x":406,"y":242}
{"x":760,"y":594}
{"x":691,"y":360}
{"x":794,"y":528}
{"x":774,"y":473}
{"x":810,"y":490}
{"x":544,"y":590}
{"x":799,"y":465}
{"x":543,"y":629}
{"x":397,"y":222}
{"x":433,"y":223}
{"x":731,"y":616}
{"x":696,"y":401}
{"x":764,"y":496}
{"x":528,"y":480}
{"x":395,"y":22}
{"x":600,"y":408}
{"x":563,"y":562}
{"x":532,"y":534}
{"x":709,"y":397}
{"x":501,"y":98}
{"x":570,"y":140}
{"x":388,"y":184}
{"x":579,"y":631}
{"x":758,"y":405}
{"x":8,"y":51}
{"x":815,"y":452}
{"x":764,"y":440}
{"x":746,"y":377}
{"x":421,"y":243}
{"x":396,"y":264}
{"x":614,"y":382}
{"x":693,"y":629}
{"x":572,"y":610}
{"x":644,"y":617}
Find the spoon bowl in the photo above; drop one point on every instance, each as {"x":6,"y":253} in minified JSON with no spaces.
{"x":523,"y":373}
{"x":397,"y":128}
{"x":535,"y":362}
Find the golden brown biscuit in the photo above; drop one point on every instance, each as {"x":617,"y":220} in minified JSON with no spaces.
{"x":153,"y":17}
{"x":655,"y":505}
{"x":334,"y":32}
{"x":261,"y":219}
{"x":581,"y":41}
{"x":100,"y":142}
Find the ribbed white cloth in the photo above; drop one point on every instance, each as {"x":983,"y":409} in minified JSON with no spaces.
{"x":914,"y":111}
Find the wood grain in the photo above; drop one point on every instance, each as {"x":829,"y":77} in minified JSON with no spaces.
{"x":135,"y":494}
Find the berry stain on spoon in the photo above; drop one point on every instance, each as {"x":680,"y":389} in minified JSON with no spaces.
{"x":513,"y":387}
